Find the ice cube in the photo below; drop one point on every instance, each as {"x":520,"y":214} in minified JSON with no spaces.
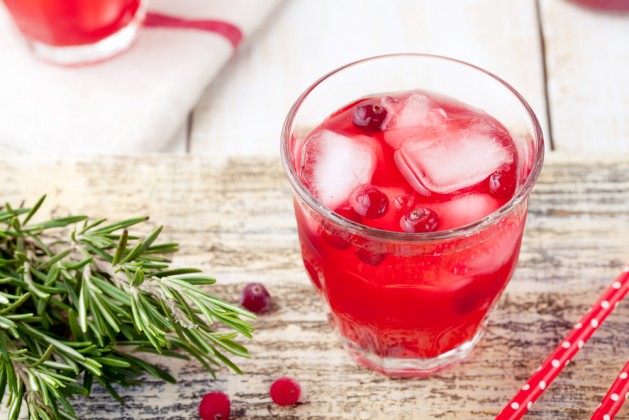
{"x":410,"y":118}
{"x":464,"y":209}
{"x":406,"y":112}
{"x":334,"y":165}
{"x":497,"y":250}
{"x":452,"y":160}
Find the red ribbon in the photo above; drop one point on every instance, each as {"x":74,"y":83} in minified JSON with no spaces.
{"x":231,"y":32}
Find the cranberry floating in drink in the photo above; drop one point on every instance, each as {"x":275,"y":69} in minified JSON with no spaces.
{"x":411,"y":203}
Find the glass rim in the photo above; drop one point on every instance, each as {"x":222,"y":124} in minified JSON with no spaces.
{"x":461,"y":231}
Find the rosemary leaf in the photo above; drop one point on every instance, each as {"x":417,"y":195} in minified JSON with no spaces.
{"x":75,"y":292}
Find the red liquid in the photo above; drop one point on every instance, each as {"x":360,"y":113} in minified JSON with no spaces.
{"x":407,"y":299}
{"x":71,"y":22}
{"x":605,"y":5}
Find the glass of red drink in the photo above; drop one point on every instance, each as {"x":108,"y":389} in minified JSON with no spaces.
{"x":604,"y":5}
{"x":70,"y":32}
{"x":411,"y":175}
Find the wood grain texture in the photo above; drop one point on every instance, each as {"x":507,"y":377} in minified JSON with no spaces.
{"x":236,"y":222}
{"x":242,"y":112}
{"x":587,"y":55}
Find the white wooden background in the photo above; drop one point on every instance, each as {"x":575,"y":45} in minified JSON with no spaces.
{"x":570,"y":63}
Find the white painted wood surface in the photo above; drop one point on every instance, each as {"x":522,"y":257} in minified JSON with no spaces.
{"x":242,"y":112}
{"x":587,"y":55}
{"x":583,"y":54}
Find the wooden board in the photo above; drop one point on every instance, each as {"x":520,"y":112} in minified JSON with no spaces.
{"x":236,"y":222}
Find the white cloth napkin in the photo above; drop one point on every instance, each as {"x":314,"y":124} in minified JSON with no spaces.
{"x":134,"y":103}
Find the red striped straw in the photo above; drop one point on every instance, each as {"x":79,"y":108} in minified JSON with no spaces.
{"x":565,"y":351}
{"x":615,"y":397}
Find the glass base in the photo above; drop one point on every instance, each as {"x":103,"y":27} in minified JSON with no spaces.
{"x":405,"y":367}
{"x":90,"y":53}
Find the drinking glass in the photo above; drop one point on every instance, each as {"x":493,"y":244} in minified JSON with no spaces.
{"x":71,"y":32}
{"x":617,"y":6}
{"x":408,"y":304}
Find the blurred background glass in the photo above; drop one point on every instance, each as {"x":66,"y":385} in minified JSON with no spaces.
{"x":70,"y":32}
{"x":605,"y":5}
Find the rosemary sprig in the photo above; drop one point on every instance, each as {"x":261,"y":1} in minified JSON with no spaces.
{"x":78,"y":297}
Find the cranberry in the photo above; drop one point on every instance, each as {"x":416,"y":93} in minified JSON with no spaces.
{"x":214,"y":406}
{"x":501,"y":185}
{"x":335,"y":237}
{"x":370,"y":257}
{"x":255,"y":298}
{"x":369,"y":116}
{"x":369,"y":202}
{"x":466,"y":304}
{"x":420,"y":219}
{"x":476,"y":295}
{"x":285,"y":391}
{"x":349,"y":213}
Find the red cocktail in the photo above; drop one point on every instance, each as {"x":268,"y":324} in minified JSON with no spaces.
{"x":605,"y":5}
{"x":77,"y":31}
{"x":411,"y":204}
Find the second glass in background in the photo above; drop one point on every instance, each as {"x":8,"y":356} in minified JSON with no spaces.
{"x":72,"y":32}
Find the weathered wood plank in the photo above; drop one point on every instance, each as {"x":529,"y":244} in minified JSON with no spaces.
{"x":242,"y":112}
{"x":587,"y":57}
{"x":236,"y":222}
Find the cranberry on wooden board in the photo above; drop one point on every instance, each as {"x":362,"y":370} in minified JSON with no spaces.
{"x":214,"y":406}
{"x":285,"y":391}
{"x":255,"y":298}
